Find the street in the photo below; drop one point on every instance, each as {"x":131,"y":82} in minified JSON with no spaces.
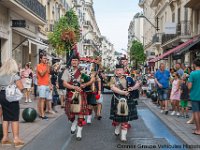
{"x":148,"y":132}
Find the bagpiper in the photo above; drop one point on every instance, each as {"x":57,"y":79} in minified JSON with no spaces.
{"x":76,"y":100}
{"x":123,"y":107}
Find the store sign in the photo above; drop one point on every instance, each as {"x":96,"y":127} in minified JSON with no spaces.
{"x":170,"y":28}
{"x":19,"y":23}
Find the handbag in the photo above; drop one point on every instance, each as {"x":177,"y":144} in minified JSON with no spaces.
{"x":12,"y":92}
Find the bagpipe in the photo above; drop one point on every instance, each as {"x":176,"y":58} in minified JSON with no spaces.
{"x":130,"y":83}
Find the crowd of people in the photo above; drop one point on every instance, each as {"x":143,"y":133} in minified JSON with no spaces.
{"x":79,"y":91}
{"x":176,"y":88}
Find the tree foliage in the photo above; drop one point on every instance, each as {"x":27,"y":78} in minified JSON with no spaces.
{"x":137,"y":53}
{"x":66,"y":33}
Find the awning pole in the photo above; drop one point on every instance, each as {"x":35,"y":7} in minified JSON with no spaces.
{"x":20,"y":44}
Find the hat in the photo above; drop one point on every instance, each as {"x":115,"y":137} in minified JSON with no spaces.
{"x":75,"y":56}
{"x":119,"y":66}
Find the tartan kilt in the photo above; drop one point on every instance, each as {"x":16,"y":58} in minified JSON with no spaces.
{"x":132,"y":111}
{"x":84,"y":107}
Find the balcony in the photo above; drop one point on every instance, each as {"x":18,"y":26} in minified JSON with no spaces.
{"x":31,"y":10}
{"x":157,"y":39}
{"x":183,"y":30}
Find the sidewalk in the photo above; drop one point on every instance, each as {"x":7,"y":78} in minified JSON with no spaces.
{"x":177,"y":125}
{"x":29,"y":131}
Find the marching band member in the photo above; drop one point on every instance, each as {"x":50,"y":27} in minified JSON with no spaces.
{"x":76,"y":99}
{"x":123,"y":107}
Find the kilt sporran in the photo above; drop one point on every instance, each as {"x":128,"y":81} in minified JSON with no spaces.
{"x":75,"y":106}
{"x":122,"y":107}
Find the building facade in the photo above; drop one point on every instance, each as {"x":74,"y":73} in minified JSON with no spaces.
{"x":108,"y":54}
{"x":175,"y":27}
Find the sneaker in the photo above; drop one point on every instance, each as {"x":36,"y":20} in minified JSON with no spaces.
{"x":173,"y":113}
{"x":178,"y":114}
{"x":30,"y":101}
{"x":26,"y":101}
{"x":161,"y":111}
{"x":44,"y":118}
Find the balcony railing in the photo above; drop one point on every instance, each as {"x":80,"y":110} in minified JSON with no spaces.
{"x":183,"y":29}
{"x":35,"y":7}
{"x":157,"y":38}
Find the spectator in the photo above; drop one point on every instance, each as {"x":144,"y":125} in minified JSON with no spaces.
{"x":43,"y":85}
{"x":162,"y":80}
{"x":179,"y":70}
{"x":194,"y":86}
{"x":27,"y":76}
{"x":9,"y":71}
{"x":35,"y":83}
{"x":61,"y":88}
{"x":151,"y":82}
{"x":175,"y":94}
{"x":184,"y":97}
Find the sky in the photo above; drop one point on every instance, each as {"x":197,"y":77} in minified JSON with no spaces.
{"x":113,"y":18}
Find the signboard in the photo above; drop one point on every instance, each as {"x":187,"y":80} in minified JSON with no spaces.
{"x":19,"y":23}
{"x":170,"y":28}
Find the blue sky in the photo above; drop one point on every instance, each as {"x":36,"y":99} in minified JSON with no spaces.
{"x":113,"y":18}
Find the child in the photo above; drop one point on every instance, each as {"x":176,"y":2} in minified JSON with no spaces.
{"x":184,"y":97}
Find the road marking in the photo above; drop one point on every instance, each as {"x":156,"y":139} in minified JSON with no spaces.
{"x":64,"y":147}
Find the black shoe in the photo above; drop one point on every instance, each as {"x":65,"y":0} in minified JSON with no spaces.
{"x":44,"y":118}
{"x":166,"y":112}
{"x":99,"y":117}
{"x":73,"y":132}
{"x":78,"y":138}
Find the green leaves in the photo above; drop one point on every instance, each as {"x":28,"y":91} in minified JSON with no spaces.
{"x":66,"y":33}
{"x":137,"y":52}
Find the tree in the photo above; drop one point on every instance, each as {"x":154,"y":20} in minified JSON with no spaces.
{"x":137,"y":53}
{"x":66,"y":33}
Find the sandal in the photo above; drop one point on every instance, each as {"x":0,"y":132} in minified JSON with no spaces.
{"x":8,"y":142}
{"x":19,"y":144}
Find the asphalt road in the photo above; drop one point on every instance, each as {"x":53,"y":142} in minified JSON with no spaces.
{"x":148,"y":132}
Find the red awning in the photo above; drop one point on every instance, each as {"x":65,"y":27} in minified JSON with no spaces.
{"x":176,"y":49}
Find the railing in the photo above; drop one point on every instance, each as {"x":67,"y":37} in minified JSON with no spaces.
{"x":183,"y":29}
{"x":157,"y":38}
{"x":35,"y":7}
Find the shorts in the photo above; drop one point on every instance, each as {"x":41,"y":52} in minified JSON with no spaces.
{"x":44,"y":91}
{"x":100,"y":100}
{"x":163,"y":94}
{"x":62,"y":92}
{"x":184,"y":103}
{"x":50,"y":97}
{"x":196,"y":106}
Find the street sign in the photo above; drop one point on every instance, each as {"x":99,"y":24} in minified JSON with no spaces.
{"x":170,"y":28}
{"x":19,"y":23}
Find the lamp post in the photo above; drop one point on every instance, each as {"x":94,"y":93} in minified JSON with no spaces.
{"x":157,"y":22}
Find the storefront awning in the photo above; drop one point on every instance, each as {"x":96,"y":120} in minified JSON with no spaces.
{"x":176,"y":49}
{"x":186,"y":49}
{"x":193,"y":4}
{"x":32,"y":40}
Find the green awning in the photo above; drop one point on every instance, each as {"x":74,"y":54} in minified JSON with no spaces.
{"x":186,"y":49}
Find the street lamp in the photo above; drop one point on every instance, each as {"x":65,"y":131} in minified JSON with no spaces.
{"x":157,"y":21}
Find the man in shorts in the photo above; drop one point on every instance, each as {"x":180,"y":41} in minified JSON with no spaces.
{"x":194,"y":86}
{"x":162,"y":80}
{"x":43,"y":85}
